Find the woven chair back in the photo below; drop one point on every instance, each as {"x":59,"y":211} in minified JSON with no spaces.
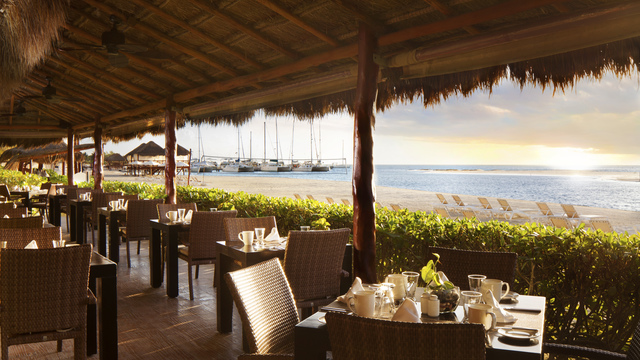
{"x":266,"y":306}
{"x":4,"y":191}
{"x":355,"y":337}
{"x":233,"y":227}
{"x":634,"y":347}
{"x":13,"y":212}
{"x":313,"y":263}
{"x":19,"y":238}
{"x":56,"y":288}
{"x":111,"y":197}
{"x":99,"y":200}
{"x":163,"y":208}
{"x":21,"y":223}
{"x":458,"y":264}
{"x":139,"y":212}
{"x":8,"y":205}
{"x":207,"y":227}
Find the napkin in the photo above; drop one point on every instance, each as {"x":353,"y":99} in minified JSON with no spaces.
{"x":356,"y":286}
{"x":31,"y":245}
{"x":6,"y":217}
{"x":502,"y":315}
{"x":407,"y":312}
{"x":273,"y":236}
{"x":187,"y":217}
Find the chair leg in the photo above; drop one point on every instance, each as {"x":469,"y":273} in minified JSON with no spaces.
{"x":138,"y":247}
{"x":80,"y":346}
{"x":59,"y":345}
{"x":197,"y":270}
{"x":128,"y":251}
{"x":190,"y":282}
{"x":5,"y":351}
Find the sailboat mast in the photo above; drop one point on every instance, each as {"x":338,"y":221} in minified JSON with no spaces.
{"x":277,"y":144}
{"x":311,"y":142}
{"x":264,"y":142}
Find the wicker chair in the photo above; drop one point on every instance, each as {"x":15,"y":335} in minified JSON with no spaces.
{"x":163,"y":208}
{"x":73,"y":192}
{"x":266,"y":307}
{"x":21,"y":223}
{"x":206,"y":228}
{"x":56,"y":307}
{"x":42,"y":202}
{"x":12,"y":212}
{"x":354,"y":337}
{"x":99,"y":200}
{"x":313,"y":265}
{"x":139,"y":212}
{"x":7,"y":205}
{"x":109,"y":197}
{"x":19,"y":238}
{"x":233,"y":227}
{"x":458,"y":264}
{"x":592,"y":353}
{"x":5,"y":194}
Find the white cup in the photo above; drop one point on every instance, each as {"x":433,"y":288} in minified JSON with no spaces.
{"x":59,"y":243}
{"x":364,"y":303}
{"x":172,"y":216}
{"x":213,"y":209}
{"x":246,"y":237}
{"x":482,"y":314}
{"x":467,"y":298}
{"x":496,"y":287}
{"x":305,"y":228}
{"x":399,"y":290}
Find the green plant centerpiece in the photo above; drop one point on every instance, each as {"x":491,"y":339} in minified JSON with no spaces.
{"x":439,"y":285}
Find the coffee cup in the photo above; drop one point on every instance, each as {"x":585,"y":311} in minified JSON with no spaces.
{"x":482,"y":314}
{"x":496,"y":286}
{"x":364,"y":303}
{"x":467,"y":298}
{"x":246,"y":237}
{"x":172,"y":216}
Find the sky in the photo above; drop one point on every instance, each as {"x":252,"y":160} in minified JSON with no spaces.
{"x":596,"y":123}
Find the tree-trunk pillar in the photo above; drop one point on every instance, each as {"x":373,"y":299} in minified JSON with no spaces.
{"x":98,"y":157}
{"x":170,"y":155}
{"x":364,"y":216}
{"x":70,"y":154}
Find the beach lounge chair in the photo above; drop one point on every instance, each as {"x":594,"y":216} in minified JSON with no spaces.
{"x":488,"y":208}
{"x":472,"y":214}
{"x":297,"y":196}
{"x":572,"y":213}
{"x":510,"y":213}
{"x":544,"y":209}
{"x":310,"y":197}
{"x":601,"y":224}
{"x":330,"y":200}
{"x":561,"y":222}
{"x":396,"y":207}
{"x":442,"y":212}
{"x":442,"y":199}
{"x":346,"y":202}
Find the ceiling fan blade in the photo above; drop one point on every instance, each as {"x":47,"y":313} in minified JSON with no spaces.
{"x":118,"y":60}
{"x":132,"y":48}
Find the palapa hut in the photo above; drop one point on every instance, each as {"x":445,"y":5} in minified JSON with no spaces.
{"x":114,"y":161}
{"x":41,"y":157}
{"x":198,"y":61}
{"x":151,"y":151}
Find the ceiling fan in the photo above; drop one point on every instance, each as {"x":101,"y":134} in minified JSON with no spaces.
{"x":19,"y":111}
{"x":49,"y":94}
{"x":114,"y":43}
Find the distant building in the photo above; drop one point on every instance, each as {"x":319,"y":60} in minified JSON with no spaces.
{"x":114,"y":161}
{"x":153,"y":152}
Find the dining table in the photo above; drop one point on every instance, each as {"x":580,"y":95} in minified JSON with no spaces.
{"x":312,"y":338}
{"x":108,"y":222}
{"x":77,"y":225}
{"x":234,"y":255}
{"x":171,"y":231}
{"x":102,"y":318}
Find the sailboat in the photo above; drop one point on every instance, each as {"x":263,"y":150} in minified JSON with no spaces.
{"x":201,"y":165}
{"x":273,"y":165}
{"x":318,"y":166}
{"x":236,"y":165}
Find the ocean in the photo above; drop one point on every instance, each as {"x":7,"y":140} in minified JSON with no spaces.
{"x":595,"y":190}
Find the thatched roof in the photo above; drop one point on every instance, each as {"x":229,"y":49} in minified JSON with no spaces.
{"x":152,"y":149}
{"x":224,"y":60}
{"x":114,"y":158}
{"x":47,"y":153}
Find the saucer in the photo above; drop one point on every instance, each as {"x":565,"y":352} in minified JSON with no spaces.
{"x":519,"y":334}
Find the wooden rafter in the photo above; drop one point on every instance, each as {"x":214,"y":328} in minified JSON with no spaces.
{"x":63,"y":91}
{"x":197,"y":32}
{"x":244,"y":29}
{"x":63,"y":106}
{"x":80,"y":93}
{"x":447,"y":11}
{"x":372,"y":23}
{"x":299,"y":22}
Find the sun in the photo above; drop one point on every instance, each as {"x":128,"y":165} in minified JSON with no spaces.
{"x":569,"y":158}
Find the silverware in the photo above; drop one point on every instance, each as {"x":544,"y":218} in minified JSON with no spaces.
{"x":516,"y":308}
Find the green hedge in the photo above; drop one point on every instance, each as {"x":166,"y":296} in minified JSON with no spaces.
{"x":590,"y":279}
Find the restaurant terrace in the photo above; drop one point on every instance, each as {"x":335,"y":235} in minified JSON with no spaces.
{"x":116,"y":70}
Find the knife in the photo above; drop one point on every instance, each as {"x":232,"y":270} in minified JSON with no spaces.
{"x":516,"y":308}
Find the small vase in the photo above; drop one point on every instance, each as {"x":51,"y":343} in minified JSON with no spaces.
{"x":449,"y":298}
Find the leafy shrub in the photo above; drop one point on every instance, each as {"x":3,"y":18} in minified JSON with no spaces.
{"x":12,"y":178}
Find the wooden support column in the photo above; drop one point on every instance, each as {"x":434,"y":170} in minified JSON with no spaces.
{"x":364,"y":216}
{"x":98,"y":156}
{"x":170,"y":155}
{"x":70,"y":157}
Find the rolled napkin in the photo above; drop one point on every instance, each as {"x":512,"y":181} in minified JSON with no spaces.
{"x":407,"y":312}
{"x":356,"y":286}
{"x":188,"y":216}
{"x":31,"y":245}
{"x":502,"y":315}
{"x":273,"y":236}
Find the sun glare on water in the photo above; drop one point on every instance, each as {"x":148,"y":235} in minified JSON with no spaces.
{"x":572,"y":158}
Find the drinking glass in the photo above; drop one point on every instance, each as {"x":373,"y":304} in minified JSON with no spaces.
{"x":467,"y":298}
{"x":180,"y":214}
{"x":411,"y":281}
{"x":387,"y":306}
{"x":3,"y":244}
{"x":213,"y":209}
{"x":260,"y":236}
{"x":120,"y":204}
{"x":398,"y":290}
{"x":305,"y":228}
{"x":475,"y":282}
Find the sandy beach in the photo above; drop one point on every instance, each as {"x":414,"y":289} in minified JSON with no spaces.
{"x":409,"y":199}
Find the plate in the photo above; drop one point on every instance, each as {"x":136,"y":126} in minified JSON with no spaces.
{"x":519,"y":334}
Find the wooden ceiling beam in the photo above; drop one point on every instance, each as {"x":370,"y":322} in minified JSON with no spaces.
{"x":244,"y":29}
{"x":447,"y":11}
{"x":161,"y":37}
{"x":133,"y":58}
{"x":79,"y":94}
{"x":32,"y":134}
{"x":76,"y":108}
{"x":109,"y":76}
{"x":54,"y":112}
{"x":373,"y":23}
{"x":102,"y":82}
{"x":72,"y":82}
{"x":29,"y":127}
{"x":197,"y":32}
{"x":299,"y":22}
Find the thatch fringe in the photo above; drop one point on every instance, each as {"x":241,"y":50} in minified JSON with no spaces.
{"x":316,"y":108}
{"x":27,"y":30}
